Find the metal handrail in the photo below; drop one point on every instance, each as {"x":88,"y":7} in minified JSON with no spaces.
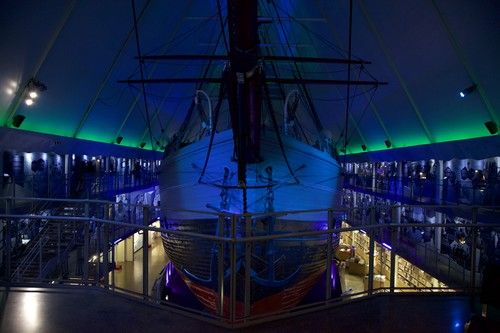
{"x":28,"y":259}
{"x":372,"y":227}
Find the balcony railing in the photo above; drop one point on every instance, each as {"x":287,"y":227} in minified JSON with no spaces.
{"x":358,"y":258}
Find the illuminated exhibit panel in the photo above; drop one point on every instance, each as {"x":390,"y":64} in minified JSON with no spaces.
{"x":407,"y":275}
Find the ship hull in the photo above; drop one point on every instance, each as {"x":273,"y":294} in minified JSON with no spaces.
{"x":282,"y":271}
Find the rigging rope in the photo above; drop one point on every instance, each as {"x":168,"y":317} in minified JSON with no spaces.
{"x":221,"y":22}
{"x":276,"y":129}
{"x":302,"y":86}
{"x":214,"y":129}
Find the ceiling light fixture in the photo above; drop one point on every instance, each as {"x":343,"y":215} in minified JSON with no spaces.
{"x":491,"y":126}
{"x":468,"y":90}
{"x":33,"y":88}
{"x":388,"y":143}
{"x":119,"y":139}
{"x":18,"y":120}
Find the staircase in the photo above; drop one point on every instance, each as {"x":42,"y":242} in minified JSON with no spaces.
{"x":49,"y":250}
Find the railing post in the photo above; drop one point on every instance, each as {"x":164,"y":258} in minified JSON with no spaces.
{"x":98,"y":247}
{"x":473,"y":251}
{"x":7,"y":241}
{"x":105,"y":250}
{"x":371,"y":251}
{"x":40,"y":249}
{"x":220,"y":270}
{"x":394,"y":238}
{"x":248,"y":263}
{"x":232,"y":286}
{"x":86,"y":241}
{"x":113,"y":261}
{"x":145,"y":253}
{"x":59,"y":244}
{"x":328,"y":286}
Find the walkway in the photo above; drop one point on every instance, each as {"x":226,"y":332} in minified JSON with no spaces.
{"x":76,"y":310}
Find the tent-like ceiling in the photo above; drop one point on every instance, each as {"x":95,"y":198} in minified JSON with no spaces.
{"x":427,"y":50}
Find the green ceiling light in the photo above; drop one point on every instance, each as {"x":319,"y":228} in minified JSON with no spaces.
{"x":363,"y":147}
{"x":119,"y":139}
{"x":142,"y":144}
{"x":18,"y":120}
{"x":491,"y":126}
{"x":388,"y":143}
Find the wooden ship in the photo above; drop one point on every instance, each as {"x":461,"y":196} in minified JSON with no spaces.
{"x":257,"y":165}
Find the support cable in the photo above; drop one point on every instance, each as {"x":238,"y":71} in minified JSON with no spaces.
{"x":348,"y":79}
{"x":141,"y":63}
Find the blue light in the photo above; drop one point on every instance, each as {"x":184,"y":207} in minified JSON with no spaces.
{"x":462,"y":94}
{"x":457,"y":324}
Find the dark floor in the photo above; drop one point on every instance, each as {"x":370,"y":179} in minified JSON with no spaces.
{"x":74,"y":310}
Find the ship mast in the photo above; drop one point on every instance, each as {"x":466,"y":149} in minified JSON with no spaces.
{"x":244,"y":86}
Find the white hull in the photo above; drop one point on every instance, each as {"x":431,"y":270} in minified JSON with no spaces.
{"x":316,"y":171}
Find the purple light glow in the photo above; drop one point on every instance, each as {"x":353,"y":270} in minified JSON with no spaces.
{"x":332,"y":275}
{"x":387,"y":246}
{"x":168,"y":273}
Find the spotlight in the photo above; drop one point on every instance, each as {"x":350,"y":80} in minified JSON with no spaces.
{"x":119,"y":139}
{"x":468,"y":90}
{"x":363,"y":147}
{"x":142,"y":144}
{"x":388,"y":143}
{"x":18,"y":120}
{"x":34,"y":88}
{"x":491,"y":126}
